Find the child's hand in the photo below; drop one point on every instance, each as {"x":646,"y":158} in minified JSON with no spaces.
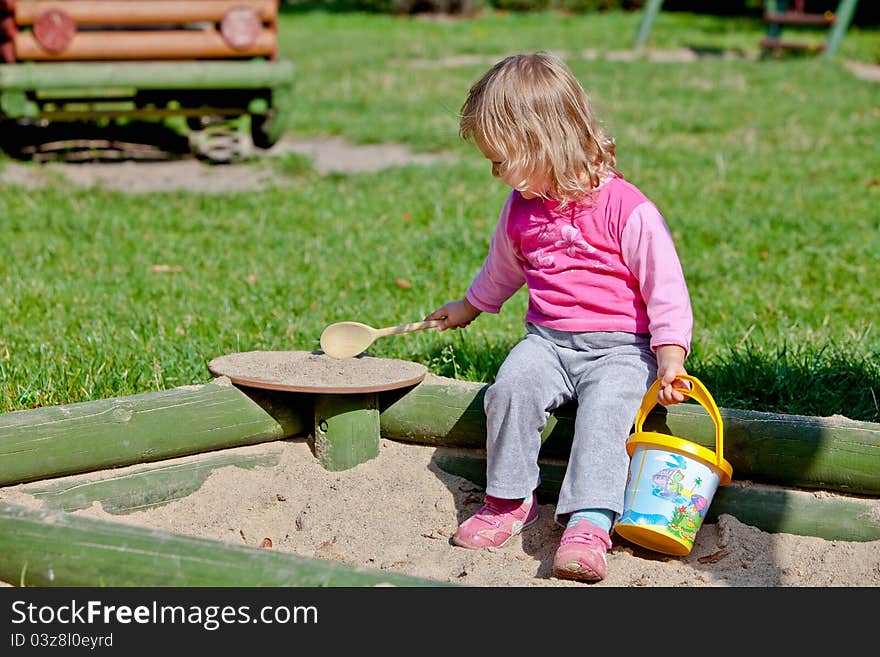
{"x":670,"y":364}
{"x":458,"y":314}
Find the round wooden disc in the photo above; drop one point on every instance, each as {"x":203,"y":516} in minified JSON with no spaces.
{"x":315,"y":371}
{"x":54,"y":30}
{"x":240,"y":27}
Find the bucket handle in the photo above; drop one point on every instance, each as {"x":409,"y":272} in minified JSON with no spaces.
{"x":699,"y":393}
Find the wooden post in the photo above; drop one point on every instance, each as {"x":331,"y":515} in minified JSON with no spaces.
{"x":344,"y":390}
{"x":774,"y":30}
{"x":843,"y":17}
{"x":346,"y":429}
{"x":649,"y":14}
{"x":52,"y":548}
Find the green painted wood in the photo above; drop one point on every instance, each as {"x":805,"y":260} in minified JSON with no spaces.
{"x":843,"y":16}
{"x":829,"y":453}
{"x":346,"y":429}
{"x":779,"y":510}
{"x":254,"y":74}
{"x":774,"y":30}
{"x":15,"y":103}
{"x":39,"y":547}
{"x":141,"y":487}
{"x":772,"y":509}
{"x":76,"y":438}
{"x":649,"y":15}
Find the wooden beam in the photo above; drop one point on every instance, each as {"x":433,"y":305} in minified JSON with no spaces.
{"x":145,"y":45}
{"x":772,"y":509}
{"x":787,"y":450}
{"x":142,"y":12}
{"x":45,"y":548}
{"x":62,"y":440}
{"x":829,"y":453}
{"x":244,"y":74}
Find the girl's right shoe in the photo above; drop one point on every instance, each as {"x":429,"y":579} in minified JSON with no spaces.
{"x":496,"y":522}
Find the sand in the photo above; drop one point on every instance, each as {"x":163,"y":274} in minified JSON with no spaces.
{"x":396,"y":513}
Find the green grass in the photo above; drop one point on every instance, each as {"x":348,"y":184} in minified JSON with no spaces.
{"x":766,"y":171}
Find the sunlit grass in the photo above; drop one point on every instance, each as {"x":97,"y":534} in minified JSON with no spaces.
{"x":766,"y":171}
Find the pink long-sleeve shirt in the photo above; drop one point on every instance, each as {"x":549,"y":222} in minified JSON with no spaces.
{"x":605,"y":265}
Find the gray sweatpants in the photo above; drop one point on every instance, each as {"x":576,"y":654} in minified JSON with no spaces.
{"x":607,"y":373}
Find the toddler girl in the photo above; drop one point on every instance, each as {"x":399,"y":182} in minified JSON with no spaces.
{"x":608,"y":307}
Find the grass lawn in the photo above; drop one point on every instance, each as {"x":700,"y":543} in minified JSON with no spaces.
{"x":768,"y":173}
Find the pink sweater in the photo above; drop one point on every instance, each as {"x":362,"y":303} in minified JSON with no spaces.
{"x":609,"y":265}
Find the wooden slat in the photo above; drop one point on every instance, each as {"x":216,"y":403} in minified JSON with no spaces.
{"x":140,"y":487}
{"x":216,"y":74}
{"x":770,"y":43}
{"x":145,"y":45}
{"x":798,"y":18}
{"x":142,"y":12}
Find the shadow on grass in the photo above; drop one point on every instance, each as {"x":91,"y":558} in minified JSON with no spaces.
{"x":815,"y":381}
{"x":810,"y":380}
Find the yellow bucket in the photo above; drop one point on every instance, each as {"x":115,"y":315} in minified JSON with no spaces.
{"x":671,"y":480}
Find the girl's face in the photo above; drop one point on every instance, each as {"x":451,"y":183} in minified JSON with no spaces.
{"x":499,"y":170}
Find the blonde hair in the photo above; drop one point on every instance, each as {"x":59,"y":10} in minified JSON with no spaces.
{"x":532,"y":111}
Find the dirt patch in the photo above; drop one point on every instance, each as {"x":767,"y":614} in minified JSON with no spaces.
{"x":670,"y":55}
{"x":336,"y":154}
{"x":870,"y":72}
{"x":863,"y":70}
{"x":191,"y":174}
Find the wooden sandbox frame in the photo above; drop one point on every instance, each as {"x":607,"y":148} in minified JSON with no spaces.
{"x":160,"y":446}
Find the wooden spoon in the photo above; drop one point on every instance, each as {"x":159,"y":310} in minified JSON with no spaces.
{"x":348,"y":339}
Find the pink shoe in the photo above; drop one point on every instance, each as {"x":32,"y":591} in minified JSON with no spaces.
{"x":581,"y":553}
{"x":496,"y":523}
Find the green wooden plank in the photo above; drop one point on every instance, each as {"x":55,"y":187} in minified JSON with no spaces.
{"x":39,"y":547}
{"x":830,"y":453}
{"x":780,"y":510}
{"x":769,"y":508}
{"x":63,"y":440}
{"x":141,"y":487}
{"x":254,"y":74}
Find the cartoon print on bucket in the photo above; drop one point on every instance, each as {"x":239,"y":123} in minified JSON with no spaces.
{"x":677,"y":497}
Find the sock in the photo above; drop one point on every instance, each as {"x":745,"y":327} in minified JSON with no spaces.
{"x":601,"y":518}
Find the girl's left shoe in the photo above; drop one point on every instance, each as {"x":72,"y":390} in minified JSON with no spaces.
{"x":581,"y":553}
